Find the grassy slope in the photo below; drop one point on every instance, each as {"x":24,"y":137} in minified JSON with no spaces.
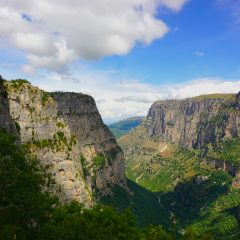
{"x":201,"y":202}
{"x":225,"y":96}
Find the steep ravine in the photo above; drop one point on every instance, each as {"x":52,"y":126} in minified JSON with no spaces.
{"x":195,"y":124}
{"x":65,"y":132}
{"x":186,"y":152}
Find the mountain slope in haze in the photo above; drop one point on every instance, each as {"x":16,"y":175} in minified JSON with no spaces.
{"x":124,"y":126}
{"x":187,"y":153}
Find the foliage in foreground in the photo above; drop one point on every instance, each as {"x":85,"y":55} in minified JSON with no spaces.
{"x":28,"y":213}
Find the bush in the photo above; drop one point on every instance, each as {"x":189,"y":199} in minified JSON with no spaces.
{"x":45,"y":98}
{"x":24,"y":207}
{"x":84,"y":166}
{"x":18,"y":127}
{"x":99,"y":161}
{"x":20,"y":81}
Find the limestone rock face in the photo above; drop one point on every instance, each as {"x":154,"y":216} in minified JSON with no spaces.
{"x":80,"y":112}
{"x":6,"y":121}
{"x":194,"y":122}
{"x":237,"y":105}
{"x":171,"y":125}
{"x":65,"y":132}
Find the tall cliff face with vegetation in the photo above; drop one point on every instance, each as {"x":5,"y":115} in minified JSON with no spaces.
{"x":101,"y":154}
{"x":198,"y":124}
{"x":65,"y":132}
{"x":6,"y":121}
{"x":28,"y":212}
{"x":195,"y":122}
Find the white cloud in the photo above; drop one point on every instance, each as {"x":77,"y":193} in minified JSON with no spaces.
{"x":55,"y":33}
{"x":199,"y":53}
{"x":28,"y":69}
{"x":202,"y":86}
{"x":174,"y":4}
{"x":35,"y":43}
{"x":137,"y":99}
{"x":118,"y":99}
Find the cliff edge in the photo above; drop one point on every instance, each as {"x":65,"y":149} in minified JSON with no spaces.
{"x":65,"y":132}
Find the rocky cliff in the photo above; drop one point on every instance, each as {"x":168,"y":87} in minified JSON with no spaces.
{"x":195,"y":122}
{"x":6,"y":121}
{"x":65,"y":132}
{"x":197,"y":125}
{"x":187,"y":152}
{"x":94,"y":138}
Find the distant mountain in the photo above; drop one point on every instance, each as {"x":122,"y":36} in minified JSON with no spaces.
{"x":124,"y":126}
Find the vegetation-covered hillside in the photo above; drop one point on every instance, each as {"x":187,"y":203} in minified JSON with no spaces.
{"x":200,"y":194}
{"x":195,"y":208}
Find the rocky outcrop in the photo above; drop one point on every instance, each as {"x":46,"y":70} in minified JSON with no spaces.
{"x":223,"y":165}
{"x":237,"y":104}
{"x":79,"y":111}
{"x":6,"y":121}
{"x":194,"y":122}
{"x":65,"y":132}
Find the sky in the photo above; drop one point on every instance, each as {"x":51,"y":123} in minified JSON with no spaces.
{"x":125,"y":53}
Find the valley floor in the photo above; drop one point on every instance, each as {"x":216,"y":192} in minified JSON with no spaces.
{"x":184,"y":192}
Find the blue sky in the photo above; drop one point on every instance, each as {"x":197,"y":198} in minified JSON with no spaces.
{"x":202,"y":26}
{"x":126,"y":54}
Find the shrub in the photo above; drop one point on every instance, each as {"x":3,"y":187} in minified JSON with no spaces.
{"x":99,"y":161}
{"x":20,"y":81}
{"x":45,"y":98}
{"x":84,"y":166}
{"x":18,"y":127}
{"x":170,"y":123}
{"x":61,"y":137}
{"x":60,"y":125}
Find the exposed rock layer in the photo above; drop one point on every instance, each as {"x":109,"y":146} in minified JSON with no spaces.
{"x":6,"y":121}
{"x":194,"y":122}
{"x":198,"y":123}
{"x":79,"y":111}
{"x":66,"y":133}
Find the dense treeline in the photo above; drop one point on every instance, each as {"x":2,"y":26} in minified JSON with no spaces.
{"x":26,"y":212}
